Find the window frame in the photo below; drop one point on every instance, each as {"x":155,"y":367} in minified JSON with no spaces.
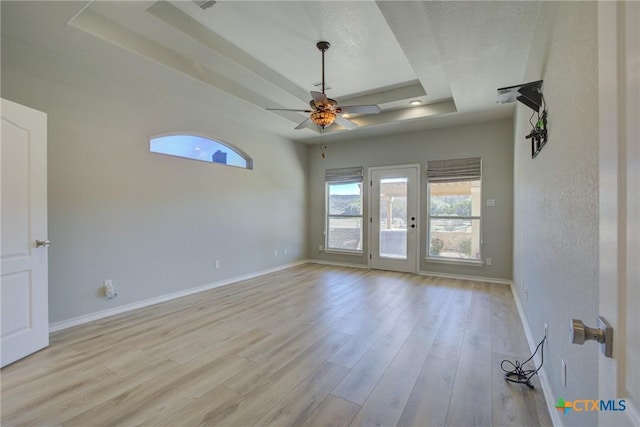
{"x":454,"y":260}
{"x":328,"y":216}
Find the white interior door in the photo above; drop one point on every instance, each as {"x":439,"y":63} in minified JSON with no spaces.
{"x":394,"y":218}
{"x":23,"y":285}
{"x":619,"y":106}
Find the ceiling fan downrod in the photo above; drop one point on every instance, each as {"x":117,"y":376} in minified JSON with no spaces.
{"x":323,"y":46}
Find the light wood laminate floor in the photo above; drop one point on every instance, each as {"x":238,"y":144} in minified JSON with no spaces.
{"x":312,"y":345}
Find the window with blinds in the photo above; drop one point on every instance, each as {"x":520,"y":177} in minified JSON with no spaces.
{"x":454,"y":220}
{"x":343,"y":230}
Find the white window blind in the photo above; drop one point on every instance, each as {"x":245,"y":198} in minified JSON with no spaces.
{"x":468,"y":169}
{"x":344,"y":175}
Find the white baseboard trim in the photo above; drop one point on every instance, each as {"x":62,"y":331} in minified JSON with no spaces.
{"x":337,"y":264}
{"x":422,"y":273}
{"x":76,"y":321}
{"x":463,"y":277}
{"x":634,"y":414}
{"x":546,"y":388}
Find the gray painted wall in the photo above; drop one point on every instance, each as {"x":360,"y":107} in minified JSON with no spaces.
{"x":493,"y":141}
{"x":156,"y":224}
{"x":556,"y":202}
{"x":153,"y":224}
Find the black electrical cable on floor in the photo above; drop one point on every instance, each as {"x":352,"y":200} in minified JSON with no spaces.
{"x":520,"y":375}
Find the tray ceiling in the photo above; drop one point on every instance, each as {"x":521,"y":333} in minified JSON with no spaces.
{"x":452,"y":56}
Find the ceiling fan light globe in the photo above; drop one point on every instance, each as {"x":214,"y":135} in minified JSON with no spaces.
{"x":323,"y":118}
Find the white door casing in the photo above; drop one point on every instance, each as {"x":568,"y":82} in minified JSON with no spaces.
{"x":619,"y":171}
{"x":24,"y":266}
{"x":393,"y":237}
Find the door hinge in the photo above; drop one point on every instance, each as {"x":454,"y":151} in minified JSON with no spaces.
{"x":371,"y":183}
{"x":370,"y":220}
{"x":370,"y":257}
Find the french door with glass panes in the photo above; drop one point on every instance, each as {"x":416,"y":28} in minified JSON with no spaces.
{"x":394,"y":218}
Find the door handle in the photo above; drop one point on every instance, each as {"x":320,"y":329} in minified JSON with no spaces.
{"x":603,"y":333}
{"x":43,"y":243}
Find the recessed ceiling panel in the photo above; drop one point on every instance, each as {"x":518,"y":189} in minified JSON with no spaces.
{"x":364,"y":53}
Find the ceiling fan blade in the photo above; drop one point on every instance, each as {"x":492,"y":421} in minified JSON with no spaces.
{"x":361,"y":109}
{"x":288,"y":109}
{"x":304,"y":124}
{"x":319,"y":98}
{"x":345,"y":123}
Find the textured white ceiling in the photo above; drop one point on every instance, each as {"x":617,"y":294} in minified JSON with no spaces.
{"x":282,"y":35}
{"x":451,"y":55}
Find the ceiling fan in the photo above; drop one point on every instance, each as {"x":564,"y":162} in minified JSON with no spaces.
{"x":325,"y":111}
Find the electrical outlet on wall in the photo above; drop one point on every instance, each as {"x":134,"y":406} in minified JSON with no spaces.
{"x":107,"y":288}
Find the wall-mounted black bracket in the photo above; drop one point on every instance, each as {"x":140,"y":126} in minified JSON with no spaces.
{"x":530,"y":94}
{"x":527,"y":93}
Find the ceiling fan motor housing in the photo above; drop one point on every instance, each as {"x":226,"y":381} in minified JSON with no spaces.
{"x":329,"y":105}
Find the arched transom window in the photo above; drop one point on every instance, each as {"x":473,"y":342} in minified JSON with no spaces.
{"x":197,"y":147}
